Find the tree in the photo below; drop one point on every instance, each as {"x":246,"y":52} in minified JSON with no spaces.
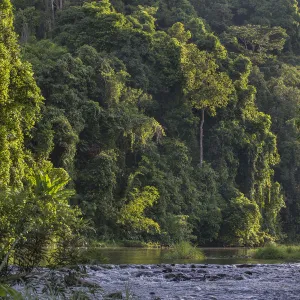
{"x":20,"y":101}
{"x":131,"y":214}
{"x":260,"y":39}
{"x":125,"y":84}
{"x":205,"y":87}
{"x":279,"y":96}
{"x":218,"y":13}
{"x":34,"y":206}
{"x":242,"y":223}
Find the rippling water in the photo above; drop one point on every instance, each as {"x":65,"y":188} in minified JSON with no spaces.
{"x":189,"y":282}
{"x":226,"y":274}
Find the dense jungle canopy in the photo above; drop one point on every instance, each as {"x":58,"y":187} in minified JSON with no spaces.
{"x":166,"y":120}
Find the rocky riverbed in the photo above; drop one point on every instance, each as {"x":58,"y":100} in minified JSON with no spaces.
{"x":182,"y":281}
{"x":245,"y":281}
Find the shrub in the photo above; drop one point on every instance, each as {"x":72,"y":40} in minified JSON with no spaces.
{"x":37,"y":224}
{"x":274,"y":251}
{"x":184,"y":250}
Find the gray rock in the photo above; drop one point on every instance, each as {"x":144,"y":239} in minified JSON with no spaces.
{"x":239,"y":277}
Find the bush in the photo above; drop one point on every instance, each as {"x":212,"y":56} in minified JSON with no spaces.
{"x":277,"y":252}
{"x":37,"y":224}
{"x":177,"y":229}
{"x":184,"y":250}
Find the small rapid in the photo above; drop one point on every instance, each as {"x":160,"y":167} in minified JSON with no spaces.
{"x":199,"y":281}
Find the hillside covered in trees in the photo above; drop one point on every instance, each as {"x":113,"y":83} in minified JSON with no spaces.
{"x":173,"y":119}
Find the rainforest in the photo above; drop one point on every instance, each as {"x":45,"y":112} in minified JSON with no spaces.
{"x":153,"y":121}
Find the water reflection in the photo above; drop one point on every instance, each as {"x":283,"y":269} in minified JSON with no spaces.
{"x":156,"y":256}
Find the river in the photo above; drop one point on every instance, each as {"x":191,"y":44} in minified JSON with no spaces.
{"x":226,"y":274}
{"x":157,"y":256}
{"x":201,"y":281}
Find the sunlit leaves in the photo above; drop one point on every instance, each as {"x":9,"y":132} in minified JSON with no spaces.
{"x":242,"y":222}
{"x":261,"y":39}
{"x":205,"y":87}
{"x":178,"y":32}
{"x":37,"y":216}
{"x":122,"y":108}
{"x":19,"y":102}
{"x":132,"y":214}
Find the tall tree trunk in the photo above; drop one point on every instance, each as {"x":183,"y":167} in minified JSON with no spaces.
{"x":201,"y":137}
{"x":52,"y":10}
{"x":25,"y":33}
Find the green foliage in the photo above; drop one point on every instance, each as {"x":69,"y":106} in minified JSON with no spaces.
{"x":10,"y":293}
{"x":222,"y":14}
{"x":279,"y":96}
{"x":20,"y":100}
{"x":38,"y":218}
{"x":258,"y":38}
{"x":34,"y":204}
{"x":124,"y":83}
{"x":219,"y":13}
{"x":205,"y":87}
{"x":241,"y":222}
{"x":277,"y":252}
{"x":52,"y":286}
{"x":269,"y":252}
{"x":97,"y":25}
{"x":131,"y":214}
{"x":178,"y":32}
{"x":177,"y":228}
{"x":184,"y":250}
{"x":205,"y":39}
